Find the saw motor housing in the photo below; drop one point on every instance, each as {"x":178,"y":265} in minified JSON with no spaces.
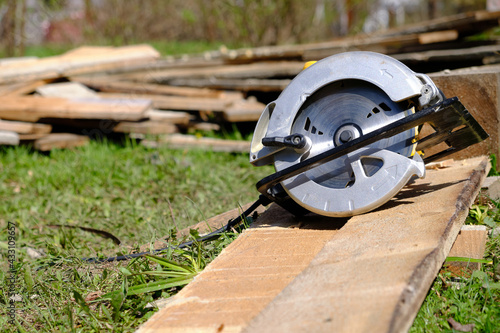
{"x":344,"y":134}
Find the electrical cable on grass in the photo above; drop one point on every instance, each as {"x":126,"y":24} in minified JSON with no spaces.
{"x":209,"y":237}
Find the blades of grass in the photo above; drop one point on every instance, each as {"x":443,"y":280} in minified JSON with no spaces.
{"x":160,"y":285}
{"x":165,"y":274}
{"x":28,"y":278}
{"x":465,"y":259}
{"x":170,"y":264}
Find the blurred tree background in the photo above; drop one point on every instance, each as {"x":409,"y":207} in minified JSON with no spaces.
{"x":68,"y":23}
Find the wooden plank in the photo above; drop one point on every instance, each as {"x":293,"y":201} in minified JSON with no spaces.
{"x":9,"y":138}
{"x":24,"y":127}
{"x":181,"y":141}
{"x":174,"y":102}
{"x":235,"y":84}
{"x":21,"y":88}
{"x":107,"y":85}
{"x":32,"y":108}
{"x":146,"y":127}
{"x":248,"y":71}
{"x":437,"y":36}
{"x":369,"y":273}
{"x":244,"y":110}
{"x":478,"y":90}
{"x":60,"y":141}
{"x":66,"y":90}
{"x":173,"y":117}
{"x":75,"y":62}
{"x":470,"y":243}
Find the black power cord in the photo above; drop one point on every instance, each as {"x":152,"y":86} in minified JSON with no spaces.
{"x":209,"y":237}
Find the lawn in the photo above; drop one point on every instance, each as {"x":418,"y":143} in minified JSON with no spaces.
{"x":140,"y":195}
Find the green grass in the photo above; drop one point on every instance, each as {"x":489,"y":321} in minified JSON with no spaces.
{"x":137,"y":194}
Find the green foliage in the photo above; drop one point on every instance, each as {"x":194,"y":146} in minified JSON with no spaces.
{"x":127,"y":190}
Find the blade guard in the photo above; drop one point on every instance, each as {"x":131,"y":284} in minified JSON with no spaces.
{"x":395,"y":79}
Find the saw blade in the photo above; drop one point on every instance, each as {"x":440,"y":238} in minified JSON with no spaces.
{"x":343,"y":111}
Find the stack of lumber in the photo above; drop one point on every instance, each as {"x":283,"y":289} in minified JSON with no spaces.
{"x":98,"y":91}
{"x":40,"y":98}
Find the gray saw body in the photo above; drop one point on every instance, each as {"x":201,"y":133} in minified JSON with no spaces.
{"x":332,"y":102}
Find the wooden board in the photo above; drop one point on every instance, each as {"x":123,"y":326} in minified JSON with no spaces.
{"x":66,"y":90}
{"x":78,"y":61}
{"x":32,"y":108}
{"x":235,"y":84}
{"x":60,"y":141}
{"x":146,"y":127}
{"x":9,"y":138}
{"x":107,"y":85}
{"x":24,"y":127}
{"x":180,"y":141}
{"x":479,"y":91}
{"x":173,"y":117}
{"x":369,"y":273}
{"x":470,"y":243}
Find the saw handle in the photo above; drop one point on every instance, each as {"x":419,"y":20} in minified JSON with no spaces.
{"x":295,"y":141}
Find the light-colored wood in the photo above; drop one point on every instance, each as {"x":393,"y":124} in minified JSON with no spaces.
{"x":493,"y":189}
{"x":437,"y":36}
{"x":32,"y":108}
{"x":21,"y":88}
{"x":60,"y":141}
{"x":236,"y":84}
{"x":174,"y":102}
{"x":173,"y":117}
{"x":478,"y":90}
{"x":369,"y":273}
{"x":66,"y":90}
{"x":107,"y":85}
{"x":24,"y":128}
{"x":470,"y":243}
{"x":244,"y":110}
{"x":9,"y":138}
{"x":181,"y":141}
{"x":78,"y":61}
{"x":146,"y":127}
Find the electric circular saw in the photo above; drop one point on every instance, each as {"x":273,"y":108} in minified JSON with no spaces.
{"x":344,"y":134}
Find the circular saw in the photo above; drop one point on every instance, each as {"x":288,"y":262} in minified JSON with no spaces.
{"x":344,"y":135}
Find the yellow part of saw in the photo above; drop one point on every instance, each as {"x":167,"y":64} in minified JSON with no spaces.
{"x":343,"y":135}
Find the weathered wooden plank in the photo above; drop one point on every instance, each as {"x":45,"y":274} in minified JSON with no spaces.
{"x":368,"y":273}
{"x":173,"y":117}
{"x":60,"y":141}
{"x":235,"y":84}
{"x":24,"y":127}
{"x":470,"y":243}
{"x":21,"y":88}
{"x":174,"y":102}
{"x":32,"y":108}
{"x":146,"y":127}
{"x":66,"y":90}
{"x":9,"y":138}
{"x":478,"y":90}
{"x":78,"y":61}
{"x":107,"y":85}
{"x":180,"y":141}
{"x":244,"y":110}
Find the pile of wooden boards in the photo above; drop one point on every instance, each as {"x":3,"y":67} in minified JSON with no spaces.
{"x":40,"y":99}
{"x":98,"y":91}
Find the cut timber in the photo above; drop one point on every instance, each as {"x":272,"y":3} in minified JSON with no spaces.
{"x":21,"y":88}
{"x":437,"y":36}
{"x":244,"y":110}
{"x":479,"y":91}
{"x":146,"y":127}
{"x":60,"y":141}
{"x":470,"y":243}
{"x":174,"y":102}
{"x":369,"y":273}
{"x":173,"y":117}
{"x":106,"y":85}
{"x":9,"y":138}
{"x":249,"y":71}
{"x":24,"y":128}
{"x":66,"y":90}
{"x":180,"y":141}
{"x":236,"y":84}
{"x":32,"y":108}
{"x":78,"y":61}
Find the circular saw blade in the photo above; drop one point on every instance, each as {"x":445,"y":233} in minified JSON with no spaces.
{"x":340,"y":112}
